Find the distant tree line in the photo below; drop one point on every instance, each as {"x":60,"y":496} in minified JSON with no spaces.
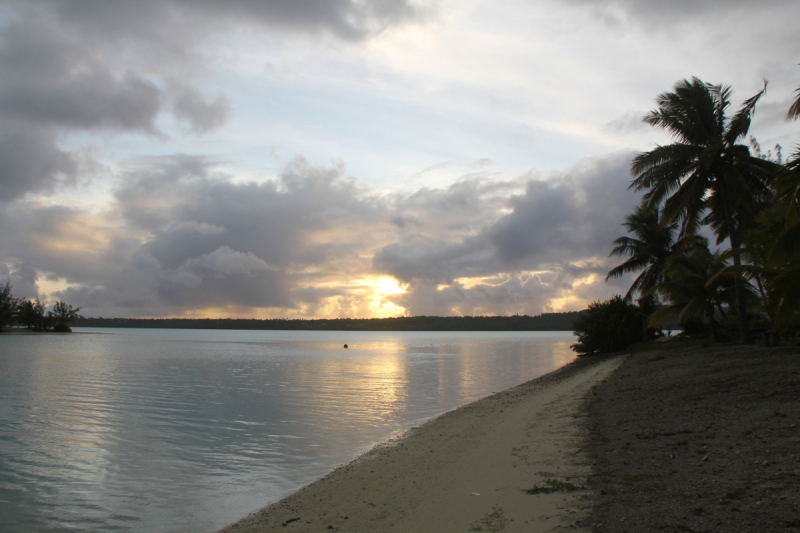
{"x":748,"y":198}
{"x":543,"y":322}
{"x":32,"y":315}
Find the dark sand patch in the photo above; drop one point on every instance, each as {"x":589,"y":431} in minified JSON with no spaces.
{"x":698,"y":440}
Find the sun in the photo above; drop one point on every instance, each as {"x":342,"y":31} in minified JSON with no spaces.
{"x":387,"y":286}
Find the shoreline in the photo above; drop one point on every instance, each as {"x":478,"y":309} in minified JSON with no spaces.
{"x":25,"y":332}
{"x":466,"y":469}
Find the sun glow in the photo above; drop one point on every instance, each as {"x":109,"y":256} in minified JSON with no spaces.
{"x":385,"y":286}
{"x":566,"y":303}
{"x":470,"y":283}
{"x":588,"y":280}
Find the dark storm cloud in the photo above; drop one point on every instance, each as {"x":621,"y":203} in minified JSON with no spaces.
{"x":659,"y":12}
{"x":503,"y":297}
{"x":573,"y":216}
{"x":564,"y":224}
{"x":200,"y":113}
{"x":193,"y":212}
{"x":191,"y":239}
{"x":162,"y":21}
{"x":50,"y":86}
{"x":22,"y":278}
{"x":89,"y":65}
{"x":30,"y":159}
{"x":51,"y":80}
{"x":435,"y":261}
{"x":563,"y":218}
{"x":182,"y":236}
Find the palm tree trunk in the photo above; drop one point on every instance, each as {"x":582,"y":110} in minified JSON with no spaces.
{"x":741,"y":304}
{"x":714,"y":327}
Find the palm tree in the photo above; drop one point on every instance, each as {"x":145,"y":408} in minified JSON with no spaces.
{"x":782,"y":221}
{"x":693,"y":289}
{"x":771,"y":251}
{"x":794,"y":110}
{"x":649,"y":247}
{"x":707,"y":171}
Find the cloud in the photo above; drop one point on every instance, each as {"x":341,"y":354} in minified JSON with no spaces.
{"x":181,"y":237}
{"x":163,"y":22}
{"x":630,"y":122}
{"x":558,"y":233}
{"x":226,"y":262}
{"x":199,"y":113}
{"x":658,"y":13}
{"x":563,"y":218}
{"x":30,"y":159}
{"x":572,"y":216}
{"x":52,"y":80}
{"x":22,"y":278}
{"x":94,"y":66}
{"x":52,"y":85}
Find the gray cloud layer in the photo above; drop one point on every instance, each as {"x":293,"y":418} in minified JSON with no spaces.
{"x":562,"y":225}
{"x":179,"y":236}
{"x":656,"y":13}
{"x":156,"y":20}
{"x":90,"y":65}
{"x":182,"y":237}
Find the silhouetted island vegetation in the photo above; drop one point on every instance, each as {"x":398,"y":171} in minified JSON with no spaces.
{"x":32,"y":315}
{"x":543,"y":322}
{"x":707,"y":177}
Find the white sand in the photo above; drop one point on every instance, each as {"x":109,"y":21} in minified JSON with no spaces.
{"x":447,"y":474}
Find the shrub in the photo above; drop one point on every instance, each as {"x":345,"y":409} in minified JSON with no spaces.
{"x":608,"y":326}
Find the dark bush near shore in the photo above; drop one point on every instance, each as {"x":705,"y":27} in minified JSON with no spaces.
{"x":608,"y":327}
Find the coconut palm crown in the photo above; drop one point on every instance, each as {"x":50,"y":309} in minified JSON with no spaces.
{"x":649,"y":247}
{"x":707,"y":175}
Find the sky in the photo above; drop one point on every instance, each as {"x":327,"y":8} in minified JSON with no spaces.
{"x":348,"y":158}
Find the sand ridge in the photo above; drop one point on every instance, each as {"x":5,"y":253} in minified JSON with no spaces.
{"x":466,"y":470}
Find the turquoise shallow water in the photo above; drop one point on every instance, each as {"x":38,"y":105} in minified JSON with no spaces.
{"x":188,"y":430}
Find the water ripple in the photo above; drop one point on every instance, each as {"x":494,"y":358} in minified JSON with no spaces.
{"x":175,"y":430}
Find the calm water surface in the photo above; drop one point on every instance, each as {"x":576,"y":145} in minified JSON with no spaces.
{"x":189,"y":430}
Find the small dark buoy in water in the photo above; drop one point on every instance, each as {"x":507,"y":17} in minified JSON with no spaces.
{"x":345,"y":346}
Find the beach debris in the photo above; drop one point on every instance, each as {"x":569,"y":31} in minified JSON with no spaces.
{"x":287,"y":522}
{"x":345,"y":346}
{"x":549,"y":486}
{"x":494,"y":521}
{"x":476,"y":493}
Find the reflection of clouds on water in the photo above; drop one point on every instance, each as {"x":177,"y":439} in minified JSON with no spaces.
{"x":156,"y":430}
{"x":68,"y":429}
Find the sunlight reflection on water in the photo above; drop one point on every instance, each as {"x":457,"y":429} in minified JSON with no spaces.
{"x":189,"y":430}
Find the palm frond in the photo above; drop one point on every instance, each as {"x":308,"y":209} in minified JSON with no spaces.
{"x":794,"y":110}
{"x":740,"y":122}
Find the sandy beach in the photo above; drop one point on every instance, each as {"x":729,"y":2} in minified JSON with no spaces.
{"x":470,"y":469}
{"x":697,"y":438}
{"x":702,"y":438}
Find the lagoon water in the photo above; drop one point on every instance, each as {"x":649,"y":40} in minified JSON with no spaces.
{"x":148,"y":430}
